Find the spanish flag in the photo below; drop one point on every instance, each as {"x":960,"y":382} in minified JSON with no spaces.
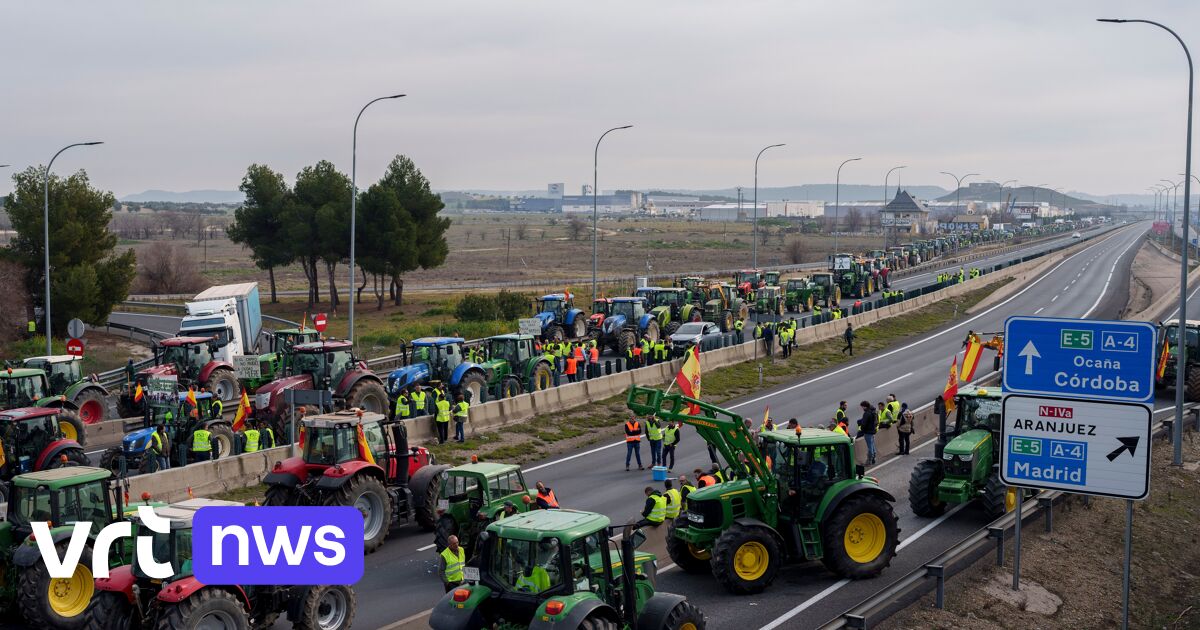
{"x":243,"y":412}
{"x":191,"y":397}
{"x":138,"y":394}
{"x":1162,"y":359}
{"x":688,"y":377}
{"x":364,"y":451}
{"x":971,"y":360}
{"x":951,"y":385}
{"x":304,"y":321}
{"x":301,"y":438}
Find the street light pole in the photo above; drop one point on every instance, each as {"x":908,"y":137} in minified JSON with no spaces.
{"x":837,"y":189}
{"x":958,"y":188}
{"x":46,"y":236}
{"x":354,"y":204}
{"x":1181,"y":360}
{"x":595,"y":201}
{"x":754,"y":236}
{"x":882,"y":227}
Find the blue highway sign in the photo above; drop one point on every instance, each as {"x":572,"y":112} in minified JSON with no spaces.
{"x":1079,"y":358}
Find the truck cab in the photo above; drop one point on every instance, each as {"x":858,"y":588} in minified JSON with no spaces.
{"x":231,"y":313}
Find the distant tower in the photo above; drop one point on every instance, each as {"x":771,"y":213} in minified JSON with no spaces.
{"x":555,"y":191}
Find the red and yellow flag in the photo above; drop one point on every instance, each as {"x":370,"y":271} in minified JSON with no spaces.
{"x":300,"y":439}
{"x":688,"y":377}
{"x":191,"y":397}
{"x":138,"y":394}
{"x":971,"y":360}
{"x":364,"y":450}
{"x":766,"y":416}
{"x":243,"y":412}
{"x":1162,"y":359}
{"x":951,"y":390}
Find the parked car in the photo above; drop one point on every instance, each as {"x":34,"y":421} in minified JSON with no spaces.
{"x":704,"y":334}
{"x":1076,"y":235}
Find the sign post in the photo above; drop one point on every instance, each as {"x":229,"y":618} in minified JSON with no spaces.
{"x":75,"y":347}
{"x":320,"y":322}
{"x":75,"y":328}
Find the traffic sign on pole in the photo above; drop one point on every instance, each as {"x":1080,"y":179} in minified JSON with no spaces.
{"x":75,"y":347}
{"x":75,"y":328}
{"x":1089,"y":447}
{"x":1079,"y":358}
{"x":319,"y":322}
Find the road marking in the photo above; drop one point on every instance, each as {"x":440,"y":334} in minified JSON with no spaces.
{"x":1176,"y":313}
{"x":1104,"y":290}
{"x":426,"y":547}
{"x":1054,"y":298}
{"x":881,"y":386}
{"x":1039,"y":310}
{"x":407,"y":620}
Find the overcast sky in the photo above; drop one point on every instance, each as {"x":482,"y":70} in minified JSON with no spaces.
{"x":512,"y":94}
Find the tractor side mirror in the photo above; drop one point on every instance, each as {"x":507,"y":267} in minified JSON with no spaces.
{"x":637,"y":538}
{"x":860,"y":470}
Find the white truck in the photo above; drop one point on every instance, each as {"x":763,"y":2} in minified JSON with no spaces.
{"x":232,"y":313}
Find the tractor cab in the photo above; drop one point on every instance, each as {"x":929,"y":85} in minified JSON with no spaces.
{"x":337,"y":440}
{"x":771,"y":278}
{"x":61,"y":496}
{"x":601,"y":308}
{"x":809,"y":463}
{"x":513,"y":349}
{"x":694,"y":286}
{"x":183,"y":356}
{"x":175,"y":545}
{"x":62,"y":370}
{"x":26,"y":435}
{"x":282,"y":341}
{"x":632,"y":309}
{"x":796,"y":284}
{"x":1168,"y":333}
{"x":824,"y":280}
{"x":430,"y":359}
{"x":670,"y":306}
{"x":767,"y":293}
{"x":23,"y":387}
{"x":556,"y":303}
{"x":473,"y":495}
{"x":747,"y":280}
{"x":325,"y":361}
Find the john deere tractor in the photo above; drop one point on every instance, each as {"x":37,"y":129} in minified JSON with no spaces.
{"x":966,"y":461}
{"x":562,"y":570}
{"x":696,"y":288}
{"x":27,"y":387}
{"x":670,"y":307}
{"x":513,"y":366}
{"x":788,"y":497}
{"x":277,"y":361}
{"x":474,"y":495}
{"x":1168,"y":333}
{"x":725,"y":305}
{"x":559,"y":317}
{"x":853,"y":276}
{"x":628,"y":321}
{"x":65,"y":375}
{"x":769,"y":301}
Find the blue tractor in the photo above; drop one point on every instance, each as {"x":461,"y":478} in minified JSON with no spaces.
{"x":560,"y":319}
{"x":440,"y":359}
{"x":628,"y":320}
{"x":133,"y":453}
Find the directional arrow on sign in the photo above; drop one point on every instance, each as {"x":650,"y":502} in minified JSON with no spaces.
{"x":1127,"y":444}
{"x":1030,"y":353}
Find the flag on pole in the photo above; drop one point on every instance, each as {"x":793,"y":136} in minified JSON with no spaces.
{"x":951,"y":385}
{"x":688,"y":377}
{"x":766,"y":416}
{"x":971,"y":360}
{"x":243,"y":412}
{"x":1162,"y":359}
{"x":191,"y":397}
{"x":364,"y":450}
{"x":138,"y":394}
{"x":304,"y":321}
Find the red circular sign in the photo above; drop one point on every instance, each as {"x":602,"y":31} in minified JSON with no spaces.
{"x":319,"y":322}
{"x":75,"y":347}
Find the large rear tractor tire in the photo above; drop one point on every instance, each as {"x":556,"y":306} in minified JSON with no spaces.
{"x":429,"y":486}
{"x":727,"y":322}
{"x":923,"y":489}
{"x":281,"y":496}
{"x":368,"y":395}
{"x":687,"y":557}
{"x":597,"y":623}
{"x":625,"y":341}
{"x":371,"y":498}
{"x":1192,"y":382}
{"x":222,"y":440}
{"x":446,"y":527}
{"x":837,"y":296}
{"x":71,"y":427}
{"x":744,"y":312}
{"x":652,"y":331}
{"x":93,"y":408}
{"x":670,"y":329}
{"x":510,"y":386}
{"x":327,"y":608}
{"x":860,"y":537}
{"x":555,"y":333}
{"x":473,"y":385}
{"x":687,"y":616}
{"x":109,"y":611}
{"x":210,"y":607}
{"x":745,"y":560}
{"x":69,"y":457}
{"x":996,"y":500}
{"x":579,"y":327}
{"x":47,"y":602}
{"x":542,"y":377}
{"x":111,"y":459}
{"x":223,"y":384}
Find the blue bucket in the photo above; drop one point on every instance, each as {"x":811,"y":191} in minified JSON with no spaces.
{"x":659,"y":473}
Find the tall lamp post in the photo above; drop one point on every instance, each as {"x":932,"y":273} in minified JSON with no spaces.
{"x":354,"y":202}
{"x":1170,"y":188}
{"x":595,"y":202}
{"x":46,"y":235}
{"x":958,"y":188}
{"x":1177,"y":441}
{"x":1187,"y":207}
{"x":837,"y":189}
{"x":883,"y":228}
{"x":754,"y":237}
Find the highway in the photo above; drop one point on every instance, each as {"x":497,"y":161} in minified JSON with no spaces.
{"x":400,"y":581}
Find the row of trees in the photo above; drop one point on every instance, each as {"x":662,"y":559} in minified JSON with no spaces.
{"x":398,"y":228}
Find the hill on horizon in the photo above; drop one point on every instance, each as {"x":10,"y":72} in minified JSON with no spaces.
{"x":191,"y":196}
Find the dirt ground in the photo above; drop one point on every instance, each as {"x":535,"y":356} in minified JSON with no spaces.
{"x":1154,"y":274}
{"x":1079,"y":564}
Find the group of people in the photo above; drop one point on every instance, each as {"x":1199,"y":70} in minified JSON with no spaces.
{"x":570,"y":358}
{"x":646,"y":352}
{"x":413,"y":401}
{"x":882,"y":415}
{"x":784,"y":331}
{"x":961,"y":276}
{"x":663,"y":438}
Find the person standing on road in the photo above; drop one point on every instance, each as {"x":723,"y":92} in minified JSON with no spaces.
{"x":904,"y":431}
{"x":867,"y":426}
{"x":451,"y":561}
{"x":839,"y":415}
{"x":633,"y":442}
{"x":461,"y":411}
{"x":849,"y":337}
{"x":939,"y":409}
{"x":670,"y":441}
{"x":572,"y":365}
{"x":418,"y":402}
{"x":201,"y":445}
{"x":442,"y":419}
{"x":403,"y":409}
{"x":654,"y":434}
{"x":161,"y":445}
{"x":253,"y":439}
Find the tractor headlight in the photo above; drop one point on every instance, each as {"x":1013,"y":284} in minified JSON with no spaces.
{"x":947,"y":456}
{"x":966,"y":457}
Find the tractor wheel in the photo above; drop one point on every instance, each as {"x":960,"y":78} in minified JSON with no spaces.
{"x":808,"y":304}
{"x":368,"y":395}
{"x":429,"y":486}
{"x":744,"y":312}
{"x":109,"y":611}
{"x":327,"y":608}
{"x":779,"y":310}
{"x":690,"y":558}
{"x":111,"y":459}
{"x":510,"y":386}
{"x":69,"y":457}
{"x":446,"y":527}
{"x":580,"y":327}
{"x":595,"y":622}
{"x":923,"y":488}
{"x":473,"y":385}
{"x":542,"y":377}
{"x":48,"y":602}
{"x":281,"y":496}
{"x":222,"y":440}
{"x":860,"y":537}
{"x":686,"y":616}
{"x":652,"y":331}
{"x":836,"y":295}
{"x":209,"y":607}
{"x":670,"y":329}
{"x":92,"y":406}
{"x":746,"y":559}
{"x":555,"y":334}
{"x":223,"y":384}
{"x":727,"y":322}
{"x":996,"y":499}
{"x":71,"y":426}
{"x":625,"y":341}
{"x":3,"y":493}
{"x":371,"y":498}
{"x":1192,"y":383}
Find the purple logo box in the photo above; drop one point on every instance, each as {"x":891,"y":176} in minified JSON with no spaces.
{"x":277,"y":545}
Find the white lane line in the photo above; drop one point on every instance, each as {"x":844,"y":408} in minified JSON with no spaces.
{"x":1054,"y":298}
{"x":94,"y":452}
{"x":426,"y":547}
{"x":1176,"y":313}
{"x":1104,"y":290}
{"x":1039,"y":310}
{"x":840,"y":583}
{"x":570,"y":457}
{"x":882,"y":385}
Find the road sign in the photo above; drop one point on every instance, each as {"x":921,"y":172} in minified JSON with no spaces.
{"x":75,"y":328}
{"x":530,"y":326}
{"x":75,"y":347}
{"x":1080,"y":358}
{"x":1082,"y":446}
{"x":319,"y":322}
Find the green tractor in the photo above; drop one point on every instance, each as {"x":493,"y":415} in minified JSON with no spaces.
{"x":771,"y":278}
{"x":789,"y":496}
{"x":966,"y":460}
{"x":1168,"y":332}
{"x":854,"y":277}
{"x":474,"y":495}
{"x":695,"y":286}
{"x":66,"y":379}
{"x":769,"y":301}
{"x":670,"y":307}
{"x":27,"y":387}
{"x":724,"y":305}
{"x":562,"y":570}
{"x":513,"y":366}
{"x":61,"y":497}
{"x":274,"y":363}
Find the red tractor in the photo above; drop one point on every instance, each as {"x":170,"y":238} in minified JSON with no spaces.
{"x":601,"y":308}
{"x":329,"y":365}
{"x":32,"y":439}
{"x":747,"y":280}
{"x":360,"y":459}
{"x":191,"y":360}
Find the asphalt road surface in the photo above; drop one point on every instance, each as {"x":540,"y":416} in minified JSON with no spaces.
{"x":400,"y":582}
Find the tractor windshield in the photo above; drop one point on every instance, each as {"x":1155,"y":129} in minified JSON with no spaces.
{"x":765,"y":293}
{"x":628,"y":309}
{"x":550,"y":305}
{"x":978,"y":413}
{"x":666,"y":298}
{"x":306,"y":363}
{"x":328,"y":446}
{"x":62,"y":374}
{"x":29,"y":505}
{"x":525,"y":566}
{"x":503,"y":349}
{"x":1193,"y":336}
{"x":747,"y":276}
{"x":23,"y":391}
{"x":174,"y":547}
{"x":85,"y":503}
{"x":796,"y":284}
{"x":602,"y":306}
{"x":459,"y":488}
{"x":823,"y":280}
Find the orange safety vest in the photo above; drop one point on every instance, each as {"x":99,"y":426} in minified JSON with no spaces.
{"x":707,"y":480}
{"x":548,"y":498}
{"x":570,"y":366}
{"x":594,"y":353}
{"x":633,"y":431}
{"x":637,"y":351}
{"x":579,"y":353}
